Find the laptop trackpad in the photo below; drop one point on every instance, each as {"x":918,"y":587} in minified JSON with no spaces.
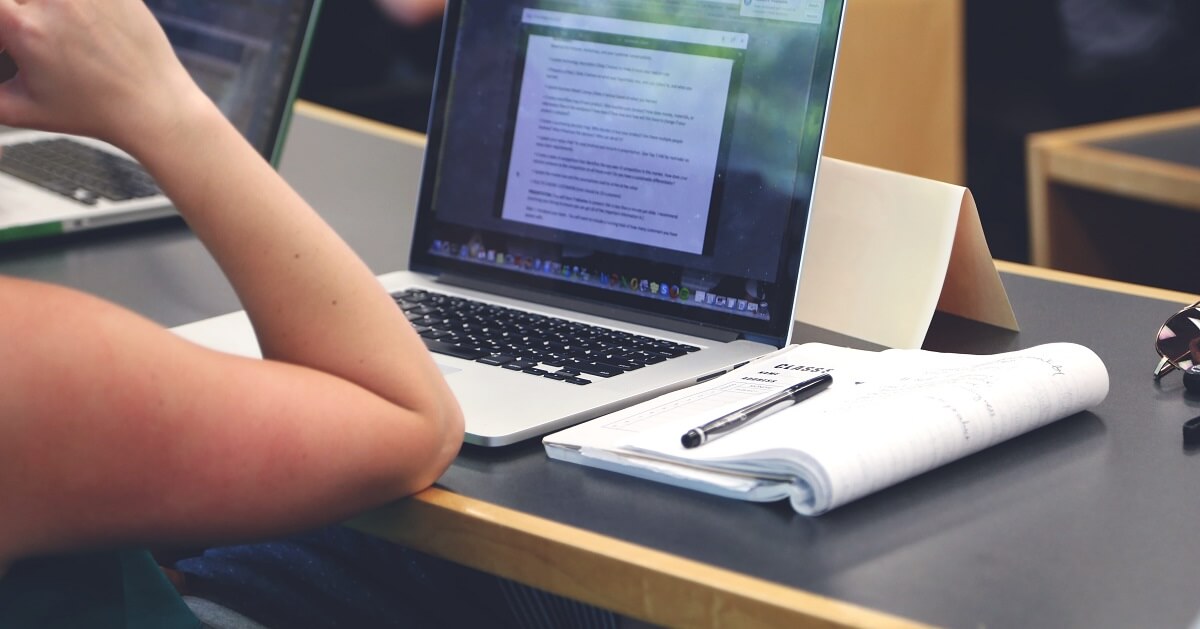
{"x":447,"y":369}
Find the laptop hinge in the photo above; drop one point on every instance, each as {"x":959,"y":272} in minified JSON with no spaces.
{"x":713,"y":333}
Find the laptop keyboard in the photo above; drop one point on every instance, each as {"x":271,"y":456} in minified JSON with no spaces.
{"x":523,"y":341}
{"x":77,"y":171}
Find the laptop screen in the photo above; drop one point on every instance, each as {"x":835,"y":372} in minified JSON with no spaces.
{"x":244,"y":54}
{"x":653,"y":156}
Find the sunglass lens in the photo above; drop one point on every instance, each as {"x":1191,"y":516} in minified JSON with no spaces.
{"x":1179,"y":338}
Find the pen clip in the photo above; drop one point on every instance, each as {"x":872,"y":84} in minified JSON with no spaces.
{"x":756,"y":410}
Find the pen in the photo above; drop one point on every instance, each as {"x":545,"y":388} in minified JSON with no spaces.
{"x":744,"y":417}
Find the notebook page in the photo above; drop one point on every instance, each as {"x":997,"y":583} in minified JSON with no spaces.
{"x":683,"y":409}
{"x":903,"y":413}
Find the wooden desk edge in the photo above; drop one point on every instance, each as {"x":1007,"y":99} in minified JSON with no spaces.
{"x":1118,"y":173}
{"x":636,"y":581}
{"x":1066,"y":156}
{"x":352,"y":121}
{"x":632,"y":580}
{"x":1099,"y":283}
{"x":1140,"y":125}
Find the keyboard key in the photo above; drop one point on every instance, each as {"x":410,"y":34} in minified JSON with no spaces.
{"x":539,"y":345}
{"x":439,"y":347}
{"x":599,"y":369}
{"x":78,"y":171}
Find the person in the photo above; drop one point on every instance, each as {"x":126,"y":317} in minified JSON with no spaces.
{"x":412,"y":12}
{"x":117,"y":434}
{"x":376,"y":58}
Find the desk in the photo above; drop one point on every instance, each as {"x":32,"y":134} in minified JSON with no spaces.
{"x":1119,"y":199}
{"x":1088,"y":522}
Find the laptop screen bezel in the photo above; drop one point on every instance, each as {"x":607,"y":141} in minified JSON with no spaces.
{"x":775,"y":331}
{"x":282,"y":119}
{"x":291,"y":72}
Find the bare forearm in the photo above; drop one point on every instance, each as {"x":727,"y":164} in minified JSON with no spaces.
{"x":149,"y":437}
{"x":313,"y":302}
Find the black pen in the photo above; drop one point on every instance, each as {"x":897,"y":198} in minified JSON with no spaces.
{"x":744,"y":417}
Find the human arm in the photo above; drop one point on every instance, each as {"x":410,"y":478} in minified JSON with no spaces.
{"x":113,"y":430}
{"x":412,"y":12}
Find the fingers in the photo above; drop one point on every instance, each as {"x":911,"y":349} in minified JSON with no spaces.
{"x":12,"y":98}
{"x":7,"y":9}
{"x":11,"y":24}
{"x":102,"y":68}
{"x":8,"y":67}
{"x":14,"y":105}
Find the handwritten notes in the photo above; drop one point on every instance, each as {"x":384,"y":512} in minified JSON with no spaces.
{"x":888,"y":416}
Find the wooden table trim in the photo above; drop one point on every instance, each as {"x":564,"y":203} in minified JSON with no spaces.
{"x":1140,"y":125}
{"x":1100,"y":283}
{"x":352,"y":121}
{"x":1068,"y":156}
{"x":633,"y":580}
{"x":1124,"y":174}
{"x":627,"y":578}
{"x":630,"y":579}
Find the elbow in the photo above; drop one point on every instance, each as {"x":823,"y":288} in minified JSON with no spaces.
{"x":443,"y":438}
{"x":449,"y":440}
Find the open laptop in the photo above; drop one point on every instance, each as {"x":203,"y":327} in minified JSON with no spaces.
{"x":623,"y":185}
{"x":246,"y":55}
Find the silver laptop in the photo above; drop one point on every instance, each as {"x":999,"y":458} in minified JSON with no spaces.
{"x":614,"y":200}
{"x":246,"y":55}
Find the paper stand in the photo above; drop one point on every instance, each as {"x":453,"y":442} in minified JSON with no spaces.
{"x":885,"y":250}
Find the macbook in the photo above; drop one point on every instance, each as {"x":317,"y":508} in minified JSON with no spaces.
{"x":613,"y":204}
{"x":245,"y":55}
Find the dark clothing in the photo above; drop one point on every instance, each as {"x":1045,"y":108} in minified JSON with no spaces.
{"x":339,"y":577}
{"x":362,"y":63}
{"x":100,"y":590}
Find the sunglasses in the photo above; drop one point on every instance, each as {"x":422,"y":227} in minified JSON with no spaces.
{"x":1179,"y":341}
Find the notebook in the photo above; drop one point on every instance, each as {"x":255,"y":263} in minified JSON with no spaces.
{"x":623,"y":185}
{"x":247,"y":56}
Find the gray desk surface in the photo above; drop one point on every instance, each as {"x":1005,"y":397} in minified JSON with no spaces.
{"x":1092,"y":521}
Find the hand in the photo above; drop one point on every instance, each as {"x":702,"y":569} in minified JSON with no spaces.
{"x":412,"y":12}
{"x":101,"y":68}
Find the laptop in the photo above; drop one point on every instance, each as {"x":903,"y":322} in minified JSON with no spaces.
{"x":614,"y":201}
{"x":246,"y":55}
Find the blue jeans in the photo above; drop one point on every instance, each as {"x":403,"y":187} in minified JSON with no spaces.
{"x":339,"y":577}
